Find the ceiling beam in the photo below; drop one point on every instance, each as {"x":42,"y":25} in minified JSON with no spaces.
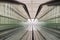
{"x":50,"y":3}
{"x":46,"y":13}
{"x":19,"y":3}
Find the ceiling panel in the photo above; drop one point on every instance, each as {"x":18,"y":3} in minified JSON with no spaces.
{"x":20,"y":10}
{"x":33,"y":5}
{"x":44,"y":11}
{"x":8,"y":10}
{"x":53,"y":14}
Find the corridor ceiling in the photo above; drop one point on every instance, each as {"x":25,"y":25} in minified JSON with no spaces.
{"x":32,"y":6}
{"x":31,"y":9}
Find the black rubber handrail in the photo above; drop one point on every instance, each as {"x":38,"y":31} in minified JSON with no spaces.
{"x":32,"y":34}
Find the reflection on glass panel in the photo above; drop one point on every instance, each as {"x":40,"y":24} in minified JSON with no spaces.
{"x":51,"y":16}
{"x":9,"y":17}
